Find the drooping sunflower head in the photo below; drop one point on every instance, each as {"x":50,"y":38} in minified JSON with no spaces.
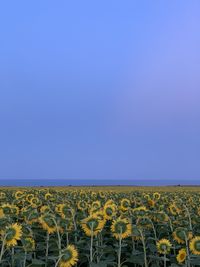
{"x":2,"y":196}
{"x":49,"y":197}
{"x":82,"y":205}
{"x":12,"y":234}
{"x":174,"y":210}
{"x":136,"y":234}
{"x":160,"y":216}
{"x":45,"y":209}
{"x":48,"y":223}
{"x":180,"y":234}
{"x":95,"y":206}
{"x":125,"y":204}
{"x":19,"y":194}
{"x":65,"y":225}
{"x":121,"y":228}
{"x":34,"y":202}
{"x":69,"y":257}
{"x":92,"y":225}
{"x":31,"y":215}
{"x":182,"y":254}
{"x":28,"y":244}
{"x":139,"y":211}
{"x":195,"y":245}
{"x":163,"y":246}
{"x":109,"y":211}
{"x":7,"y":208}
{"x":64,"y":210}
{"x":144,"y":222}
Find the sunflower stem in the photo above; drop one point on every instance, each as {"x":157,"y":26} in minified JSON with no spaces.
{"x":67,"y":238}
{"x":47,"y":249}
{"x":189,"y":217}
{"x":144,"y":249}
{"x":12,"y":256}
{"x":2,"y":249}
{"x":119,"y":251}
{"x":91,"y":245}
{"x":25,"y":255}
{"x":187,"y":249}
{"x":165,"y":260}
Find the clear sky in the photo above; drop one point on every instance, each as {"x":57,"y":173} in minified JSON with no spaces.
{"x":100,"y":89}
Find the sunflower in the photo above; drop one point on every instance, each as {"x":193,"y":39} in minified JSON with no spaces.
{"x":136,"y":235}
{"x":146,"y":196}
{"x":182,"y":254}
{"x":121,"y":228}
{"x":174,"y":210}
{"x":65,"y":225}
{"x":12,"y":234}
{"x":160,"y":217}
{"x":180,"y":234}
{"x":49,"y":196}
{"x":28,"y":244}
{"x":92,"y":225}
{"x":29,"y":197}
{"x":109,"y":211}
{"x":18,"y":194}
{"x":69,"y":257}
{"x":1,"y":213}
{"x":140,"y":211}
{"x":144,"y":222}
{"x":45,"y":209}
{"x":125,"y":204}
{"x":195,"y":245}
{"x":156,"y":196}
{"x":82,"y":205}
{"x":48,"y":224}
{"x":163,"y":246}
{"x":96,"y":205}
{"x":34,"y":202}
{"x":7,"y":208}
{"x":2,"y":195}
{"x":151,"y":203}
{"x":64,"y":210}
{"x":110,"y":202}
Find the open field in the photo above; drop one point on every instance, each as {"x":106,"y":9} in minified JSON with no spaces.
{"x":100,"y":226}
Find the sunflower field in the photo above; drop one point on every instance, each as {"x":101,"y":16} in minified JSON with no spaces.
{"x":100,"y":227}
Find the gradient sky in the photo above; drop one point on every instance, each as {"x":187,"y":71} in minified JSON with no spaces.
{"x":100,"y":89}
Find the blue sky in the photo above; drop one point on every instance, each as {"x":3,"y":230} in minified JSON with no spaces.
{"x":100,"y":89}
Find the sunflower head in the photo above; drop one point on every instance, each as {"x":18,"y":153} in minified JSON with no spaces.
{"x":121,"y":228}
{"x":92,"y":225}
{"x":109,"y":211}
{"x":69,"y":257}
{"x":160,"y":216}
{"x":125,"y":204}
{"x":195,"y":245}
{"x":180,"y":234}
{"x":182,"y":254}
{"x":156,"y":196}
{"x":163,"y":246}
{"x":12,"y":233}
{"x":28,"y":244}
{"x":48,"y":223}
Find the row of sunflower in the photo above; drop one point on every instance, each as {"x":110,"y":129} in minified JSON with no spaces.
{"x":84,"y":227}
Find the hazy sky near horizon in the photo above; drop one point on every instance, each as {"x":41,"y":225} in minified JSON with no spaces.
{"x":100,"y":89}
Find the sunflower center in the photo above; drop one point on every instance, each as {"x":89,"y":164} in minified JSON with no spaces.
{"x":120,"y":227}
{"x":67,"y":256}
{"x":11,"y":234}
{"x":197,"y":245}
